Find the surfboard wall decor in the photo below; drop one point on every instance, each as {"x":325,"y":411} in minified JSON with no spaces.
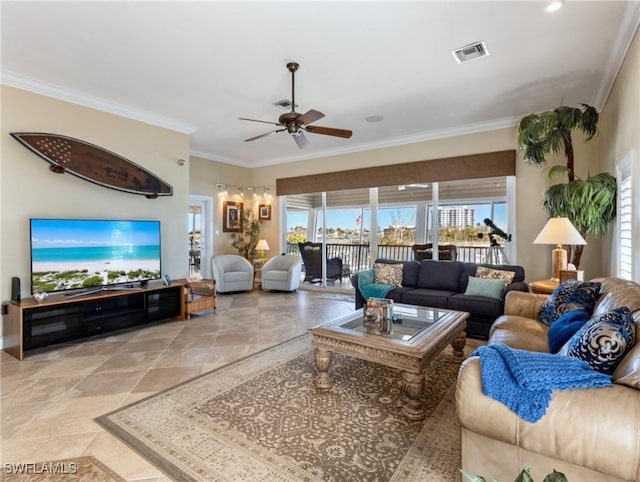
{"x":94,"y":164}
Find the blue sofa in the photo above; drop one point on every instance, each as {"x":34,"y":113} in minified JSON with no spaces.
{"x":442,"y":284}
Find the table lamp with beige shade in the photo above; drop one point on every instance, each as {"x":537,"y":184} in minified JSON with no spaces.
{"x":559,"y":231}
{"x":261,"y":247}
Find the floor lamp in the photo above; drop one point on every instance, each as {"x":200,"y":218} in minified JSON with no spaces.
{"x":559,"y":231}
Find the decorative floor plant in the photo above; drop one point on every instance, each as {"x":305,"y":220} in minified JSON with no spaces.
{"x":524,"y":476}
{"x":590,"y":204}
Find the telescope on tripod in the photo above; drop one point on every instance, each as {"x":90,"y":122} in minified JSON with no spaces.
{"x":497,"y":254}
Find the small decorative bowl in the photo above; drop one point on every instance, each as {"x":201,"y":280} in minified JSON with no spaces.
{"x":40,"y":296}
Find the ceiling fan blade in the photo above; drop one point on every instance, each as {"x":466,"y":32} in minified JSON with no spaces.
{"x":329,"y":131}
{"x":309,"y":117}
{"x":264,"y":122}
{"x":262,"y":135}
{"x":300,"y":139}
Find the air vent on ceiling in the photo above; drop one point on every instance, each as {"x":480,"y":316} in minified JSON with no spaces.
{"x":285,"y":104}
{"x":470,"y":52}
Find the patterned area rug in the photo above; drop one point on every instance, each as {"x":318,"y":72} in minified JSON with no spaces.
{"x":261,"y":419}
{"x":338,"y":296}
{"x":80,"y":469}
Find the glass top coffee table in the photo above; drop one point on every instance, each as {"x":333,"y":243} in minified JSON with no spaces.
{"x":410,"y":347}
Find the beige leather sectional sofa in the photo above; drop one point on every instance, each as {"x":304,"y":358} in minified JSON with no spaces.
{"x":589,"y":435}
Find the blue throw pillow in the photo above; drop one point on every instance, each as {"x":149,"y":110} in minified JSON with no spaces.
{"x":565,"y":327}
{"x":604,"y":340}
{"x":570,"y":295}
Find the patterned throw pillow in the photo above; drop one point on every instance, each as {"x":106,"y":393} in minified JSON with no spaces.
{"x":604,"y":340}
{"x":570,"y":295}
{"x":388,"y":274}
{"x":490,"y":273}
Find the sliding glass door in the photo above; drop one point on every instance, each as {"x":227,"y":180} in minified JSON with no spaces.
{"x":468,"y":218}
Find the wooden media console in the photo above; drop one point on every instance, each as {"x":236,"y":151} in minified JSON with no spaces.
{"x":29,"y":324}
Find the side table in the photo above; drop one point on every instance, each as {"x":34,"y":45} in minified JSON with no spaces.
{"x":258,"y":263}
{"x":199,"y":296}
{"x":544,"y":286}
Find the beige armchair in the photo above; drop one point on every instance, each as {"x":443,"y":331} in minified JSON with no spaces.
{"x":282,"y":273}
{"x":232,"y":273}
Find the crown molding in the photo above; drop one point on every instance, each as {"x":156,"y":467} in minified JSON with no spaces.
{"x":23,"y":82}
{"x":630,"y":20}
{"x":217,"y":158}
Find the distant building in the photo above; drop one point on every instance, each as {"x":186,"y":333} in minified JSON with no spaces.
{"x":456,"y":217}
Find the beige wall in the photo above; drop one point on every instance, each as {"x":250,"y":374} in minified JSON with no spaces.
{"x":620,"y":125}
{"x":206,"y":174}
{"x":29,"y":189}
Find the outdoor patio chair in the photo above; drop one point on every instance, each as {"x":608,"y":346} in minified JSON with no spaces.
{"x":312,"y":258}
{"x":446,"y":252}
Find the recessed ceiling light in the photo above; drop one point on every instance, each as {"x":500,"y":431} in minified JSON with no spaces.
{"x":553,"y":6}
{"x":374,"y":118}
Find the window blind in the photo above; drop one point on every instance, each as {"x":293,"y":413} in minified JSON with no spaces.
{"x":626,"y":219}
{"x":473,"y":166}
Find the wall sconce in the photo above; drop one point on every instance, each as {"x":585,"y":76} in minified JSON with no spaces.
{"x":241,"y":189}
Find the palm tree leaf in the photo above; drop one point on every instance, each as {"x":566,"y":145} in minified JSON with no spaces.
{"x":569,"y":118}
{"x":590,"y":204}
{"x":557,"y":139}
{"x":556,"y":170}
{"x":589,"y":121}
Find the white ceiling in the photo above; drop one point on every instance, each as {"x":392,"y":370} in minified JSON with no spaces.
{"x":198,"y":66}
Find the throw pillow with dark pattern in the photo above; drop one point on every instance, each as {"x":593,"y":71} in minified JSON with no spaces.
{"x":604,"y":340}
{"x":570,"y":295}
{"x":388,"y":274}
{"x":490,"y":273}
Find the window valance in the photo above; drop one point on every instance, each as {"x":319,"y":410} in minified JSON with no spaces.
{"x":473,"y":166}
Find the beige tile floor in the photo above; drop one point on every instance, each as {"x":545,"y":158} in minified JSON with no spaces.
{"x":49,"y":400}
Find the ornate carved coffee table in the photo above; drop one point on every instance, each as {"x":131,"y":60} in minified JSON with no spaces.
{"x":411,"y":346}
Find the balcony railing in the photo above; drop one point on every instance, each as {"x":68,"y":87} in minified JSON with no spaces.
{"x":355,"y":257}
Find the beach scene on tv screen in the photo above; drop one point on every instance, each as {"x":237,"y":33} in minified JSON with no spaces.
{"x":76,"y":254}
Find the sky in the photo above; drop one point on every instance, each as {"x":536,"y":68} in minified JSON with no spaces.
{"x":347,"y":218}
{"x":55,"y":233}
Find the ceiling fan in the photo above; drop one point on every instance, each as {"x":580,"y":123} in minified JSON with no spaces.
{"x":296,"y":124}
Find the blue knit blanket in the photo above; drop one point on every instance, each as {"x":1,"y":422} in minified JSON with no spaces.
{"x":524,"y":380}
{"x":369,"y":288}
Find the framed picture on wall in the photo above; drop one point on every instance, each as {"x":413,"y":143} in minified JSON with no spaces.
{"x":232,"y":217}
{"x":264,"y":212}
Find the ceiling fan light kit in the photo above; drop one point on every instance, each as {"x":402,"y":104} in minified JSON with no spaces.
{"x":295,"y":123}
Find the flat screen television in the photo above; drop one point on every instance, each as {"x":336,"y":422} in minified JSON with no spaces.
{"x":76,"y":254}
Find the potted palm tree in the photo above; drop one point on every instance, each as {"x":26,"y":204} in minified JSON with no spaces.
{"x":590,"y":204}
